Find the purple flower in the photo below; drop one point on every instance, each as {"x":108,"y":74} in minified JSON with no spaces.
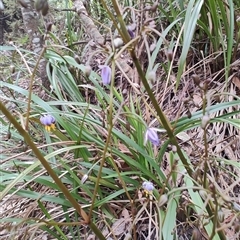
{"x":105,"y":74}
{"x":147,"y":186}
{"x":48,"y":121}
{"x":131,"y":33}
{"x":151,"y":135}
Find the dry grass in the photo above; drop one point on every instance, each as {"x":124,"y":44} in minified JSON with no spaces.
{"x":222,"y":145}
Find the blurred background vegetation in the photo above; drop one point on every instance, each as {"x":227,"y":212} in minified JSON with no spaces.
{"x":91,"y":169}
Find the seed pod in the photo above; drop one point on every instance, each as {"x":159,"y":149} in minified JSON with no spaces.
{"x":24,"y":147}
{"x":87,"y":70}
{"x":12,"y":68}
{"x":154,"y":6}
{"x":117,"y":42}
{"x":49,"y":26}
{"x":205,"y":121}
{"x":212,"y":188}
{"x":77,"y":59}
{"x":23,"y":3}
{"x":124,"y":91}
{"x":189,"y":115}
{"x":45,"y":8}
{"x":206,"y":84}
{"x":8,"y":135}
{"x":203,"y":194}
{"x":39,"y":4}
{"x":151,"y":76}
{"x":128,"y":126}
{"x":220,"y":216}
{"x":196,"y":235}
{"x":196,"y":79}
{"x":169,"y":54}
{"x":162,"y":200}
{"x":186,"y":100}
{"x":152,"y":47}
{"x":217,"y":98}
{"x":174,"y":149}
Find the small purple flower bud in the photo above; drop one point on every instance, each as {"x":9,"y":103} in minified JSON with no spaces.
{"x":148,"y":186}
{"x":105,"y":74}
{"x":48,"y":121}
{"x":152,"y":136}
{"x":131,"y":33}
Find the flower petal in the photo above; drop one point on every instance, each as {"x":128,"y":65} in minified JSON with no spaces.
{"x":47,"y":119}
{"x":131,"y":33}
{"x":105,"y":74}
{"x":152,"y":136}
{"x":148,"y":186}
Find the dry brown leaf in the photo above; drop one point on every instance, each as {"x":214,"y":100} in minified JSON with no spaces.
{"x":124,"y":149}
{"x":125,"y":214}
{"x":229,"y":153}
{"x":197,"y":100}
{"x":119,"y":227}
{"x":183,"y":136}
{"x":122,"y":224}
{"x":236,"y":81}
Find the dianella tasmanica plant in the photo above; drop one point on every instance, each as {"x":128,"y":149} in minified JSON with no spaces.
{"x":137,"y":135}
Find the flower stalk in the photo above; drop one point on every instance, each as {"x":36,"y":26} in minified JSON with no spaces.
{"x":164,"y":121}
{"x":50,"y":171}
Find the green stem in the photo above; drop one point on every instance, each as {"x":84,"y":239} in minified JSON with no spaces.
{"x":107,"y":140}
{"x":205,"y":140}
{"x":162,"y":117}
{"x":31,"y":86}
{"x":160,"y":113}
{"x":50,"y":171}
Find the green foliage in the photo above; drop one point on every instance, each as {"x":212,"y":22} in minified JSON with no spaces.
{"x":100,"y":130}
